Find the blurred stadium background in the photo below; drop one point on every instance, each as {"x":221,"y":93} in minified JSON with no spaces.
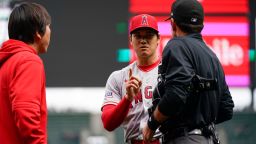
{"x":90,"y":40}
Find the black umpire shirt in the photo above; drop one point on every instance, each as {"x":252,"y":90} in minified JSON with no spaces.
{"x":183,"y":57}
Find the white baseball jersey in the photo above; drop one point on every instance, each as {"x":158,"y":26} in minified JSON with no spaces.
{"x":138,"y":115}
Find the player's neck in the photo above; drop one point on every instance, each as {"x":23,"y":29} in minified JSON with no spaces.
{"x":147,"y":61}
{"x":149,"y":67}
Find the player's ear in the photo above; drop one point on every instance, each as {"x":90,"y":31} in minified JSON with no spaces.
{"x":158,"y":38}
{"x":158,"y":41}
{"x":130,"y":38}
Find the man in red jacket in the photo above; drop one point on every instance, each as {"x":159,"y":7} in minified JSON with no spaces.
{"x":23,"y":110}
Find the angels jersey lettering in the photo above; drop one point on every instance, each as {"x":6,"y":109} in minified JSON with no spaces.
{"x":137,"y":116}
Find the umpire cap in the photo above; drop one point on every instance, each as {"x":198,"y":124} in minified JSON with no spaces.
{"x":187,"y":12}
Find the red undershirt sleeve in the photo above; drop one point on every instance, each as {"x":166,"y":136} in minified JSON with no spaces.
{"x":113,"y":115}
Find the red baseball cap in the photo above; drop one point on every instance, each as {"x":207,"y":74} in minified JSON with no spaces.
{"x":143,"y":20}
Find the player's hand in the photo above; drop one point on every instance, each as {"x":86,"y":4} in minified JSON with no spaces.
{"x":133,"y":85}
{"x":147,"y":134}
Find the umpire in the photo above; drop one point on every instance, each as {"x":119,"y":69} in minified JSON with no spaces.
{"x":194,"y":94}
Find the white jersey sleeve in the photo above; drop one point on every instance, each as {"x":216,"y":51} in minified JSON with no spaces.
{"x":113,"y":90}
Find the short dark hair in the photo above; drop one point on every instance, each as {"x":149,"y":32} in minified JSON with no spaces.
{"x":190,"y":28}
{"x":26,"y":19}
{"x":153,"y":30}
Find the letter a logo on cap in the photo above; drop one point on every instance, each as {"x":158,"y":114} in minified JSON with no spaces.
{"x":141,"y":21}
{"x":144,"y":20}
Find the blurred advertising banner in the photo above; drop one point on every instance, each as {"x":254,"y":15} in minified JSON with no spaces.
{"x":210,"y":6}
{"x":226,"y":32}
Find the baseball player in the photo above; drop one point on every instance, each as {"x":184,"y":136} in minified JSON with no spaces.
{"x":129,"y":91}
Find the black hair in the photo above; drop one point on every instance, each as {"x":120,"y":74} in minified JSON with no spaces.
{"x":190,"y":28}
{"x":156,"y":32}
{"x":26,"y":19}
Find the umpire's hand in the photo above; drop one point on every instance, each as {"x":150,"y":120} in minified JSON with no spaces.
{"x":147,"y":134}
